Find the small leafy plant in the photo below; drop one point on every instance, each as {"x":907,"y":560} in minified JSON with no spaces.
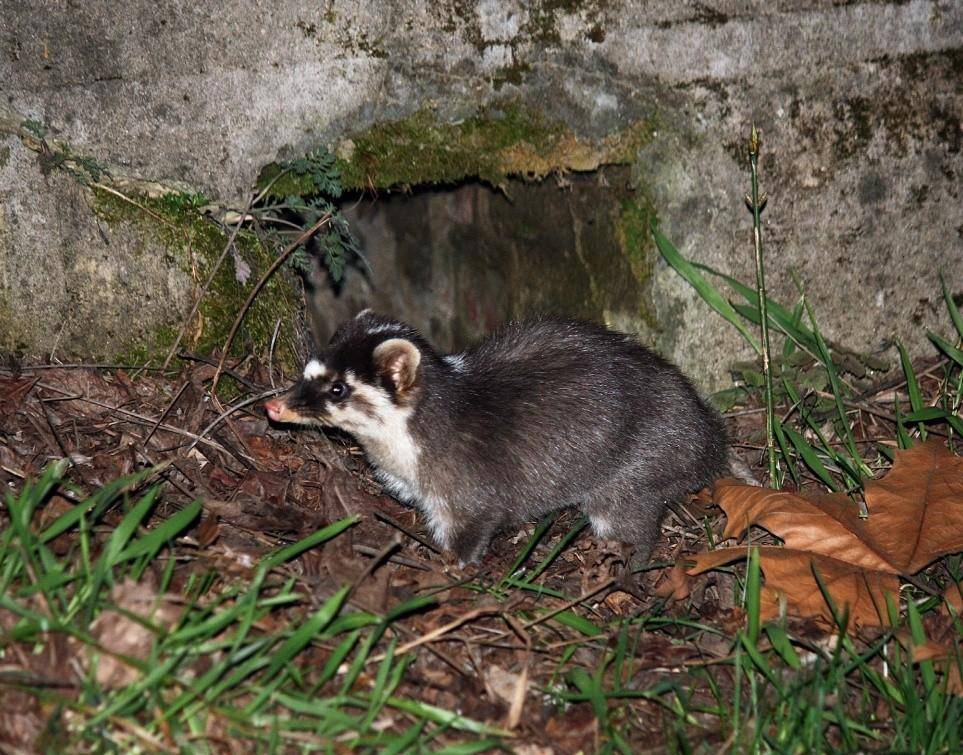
{"x":317,"y":171}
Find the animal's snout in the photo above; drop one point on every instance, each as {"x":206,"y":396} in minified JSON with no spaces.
{"x":274,"y":408}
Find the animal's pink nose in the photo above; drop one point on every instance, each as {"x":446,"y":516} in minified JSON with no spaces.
{"x":274,"y":407}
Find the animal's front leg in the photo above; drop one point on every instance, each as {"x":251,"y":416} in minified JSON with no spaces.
{"x":469,"y":540}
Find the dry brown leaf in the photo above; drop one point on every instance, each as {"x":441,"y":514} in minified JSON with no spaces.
{"x":121,"y":636}
{"x":789,"y":573}
{"x":500,"y":684}
{"x":954,"y":680}
{"x":916,"y":511}
{"x":944,"y":658}
{"x":828,"y":525}
{"x":674,"y":583}
{"x":208,"y":530}
{"x":14,"y":391}
{"x":929,"y":651}
{"x":915,"y":514}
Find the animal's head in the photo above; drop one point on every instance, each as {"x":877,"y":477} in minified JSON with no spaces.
{"x":365,"y":381}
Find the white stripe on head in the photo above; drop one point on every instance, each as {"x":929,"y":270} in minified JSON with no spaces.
{"x":389,"y":327}
{"x":314,"y":369}
{"x":362,"y":313}
{"x":457,"y":362}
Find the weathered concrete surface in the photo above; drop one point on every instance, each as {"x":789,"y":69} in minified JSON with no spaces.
{"x":859,"y":107}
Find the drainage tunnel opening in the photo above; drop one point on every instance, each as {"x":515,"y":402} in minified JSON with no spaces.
{"x":457,"y":261}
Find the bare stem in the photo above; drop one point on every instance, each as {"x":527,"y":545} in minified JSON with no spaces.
{"x":756,"y":206}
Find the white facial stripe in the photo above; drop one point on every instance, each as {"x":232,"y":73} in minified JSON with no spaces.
{"x":314,"y":369}
{"x":362,"y":313}
{"x":457,"y":362}
{"x":390,"y":327}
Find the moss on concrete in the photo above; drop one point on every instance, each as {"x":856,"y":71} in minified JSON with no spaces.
{"x":492,"y":146}
{"x":638,"y":247}
{"x":194,"y":243}
{"x":495,"y":144}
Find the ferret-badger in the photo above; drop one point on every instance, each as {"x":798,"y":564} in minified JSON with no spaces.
{"x":541,"y":415}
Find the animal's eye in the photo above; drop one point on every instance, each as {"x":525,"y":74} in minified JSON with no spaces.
{"x":339,"y":390}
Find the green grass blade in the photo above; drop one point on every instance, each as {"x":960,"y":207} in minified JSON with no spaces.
{"x":578,"y":623}
{"x":386,"y":681}
{"x":709,"y":293}
{"x":954,"y":311}
{"x":789,"y":323}
{"x":935,"y":414}
{"x":469,"y":748}
{"x":837,"y":391}
{"x":753,"y":588}
{"x":562,"y":545}
{"x":445,"y":717}
{"x":288,"y":552}
{"x":336,"y":658}
{"x":589,"y":687}
{"x":785,"y":452}
{"x":98,"y":502}
{"x":167,"y":530}
{"x":902,"y":437}
{"x":296,"y":642}
{"x":540,"y":530}
{"x":406,"y":742}
{"x":946,"y":347}
{"x":918,"y":633}
{"x":810,"y":457}
{"x":125,"y":530}
{"x":782,"y":645}
{"x":912,"y":386}
{"x":412,"y":605}
{"x":758,"y":659}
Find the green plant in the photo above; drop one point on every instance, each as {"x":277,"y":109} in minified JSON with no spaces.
{"x":204,"y":662}
{"x":319,"y":178}
{"x":821,"y":382}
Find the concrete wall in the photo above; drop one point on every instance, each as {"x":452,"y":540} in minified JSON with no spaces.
{"x":858,"y":103}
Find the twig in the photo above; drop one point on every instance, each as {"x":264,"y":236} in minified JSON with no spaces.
{"x":375,"y":562}
{"x":367,"y":550}
{"x":226,"y":413}
{"x":85,"y":366}
{"x":139,"y":206}
{"x":136,"y":417}
{"x":163,"y":416}
{"x":53,"y":429}
{"x":514,"y":716}
{"x":274,"y":338}
{"x":756,"y":207}
{"x":188,"y":357}
{"x":207,"y":284}
{"x":304,"y":236}
{"x":434,"y":634}
{"x":574,"y":602}
{"x":398,"y":526}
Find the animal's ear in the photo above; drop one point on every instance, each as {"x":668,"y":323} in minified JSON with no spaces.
{"x":397,"y":359}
